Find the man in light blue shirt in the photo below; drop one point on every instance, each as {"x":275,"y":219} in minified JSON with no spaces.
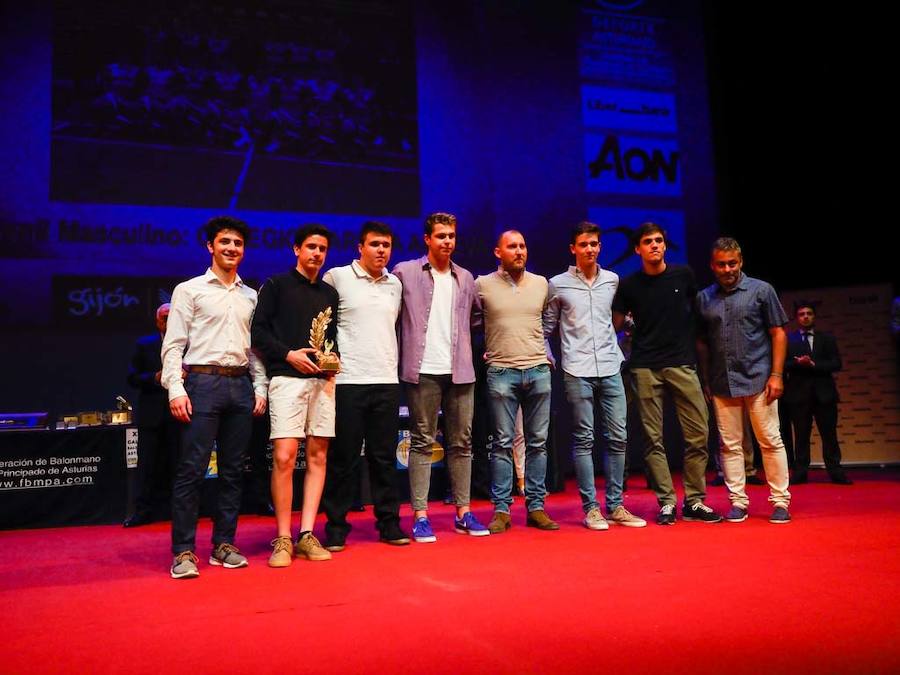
{"x":580,"y":305}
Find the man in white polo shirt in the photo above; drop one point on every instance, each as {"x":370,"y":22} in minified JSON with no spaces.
{"x":368,"y":389}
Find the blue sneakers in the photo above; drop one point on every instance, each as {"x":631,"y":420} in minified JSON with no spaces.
{"x":736,"y":515}
{"x":780,"y":515}
{"x":422,"y":531}
{"x":469,"y":524}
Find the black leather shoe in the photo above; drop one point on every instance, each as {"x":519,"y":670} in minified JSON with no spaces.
{"x":840,"y":479}
{"x":335,"y":545}
{"x":391,"y":534}
{"x":799,"y":478}
{"x":754,"y":480}
{"x":718,"y":481}
{"x":137,"y":520}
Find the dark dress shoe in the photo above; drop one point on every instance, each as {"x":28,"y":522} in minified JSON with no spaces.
{"x":840,"y":479}
{"x":541,"y":520}
{"x":137,"y":520}
{"x":358,"y":508}
{"x":754,"y":480}
{"x":718,"y":480}
{"x":799,"y":478}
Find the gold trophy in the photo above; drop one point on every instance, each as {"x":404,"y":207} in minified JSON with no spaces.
{"x":325,"y":358}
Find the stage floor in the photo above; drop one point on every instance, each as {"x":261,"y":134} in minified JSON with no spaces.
{"x":821,"y":594}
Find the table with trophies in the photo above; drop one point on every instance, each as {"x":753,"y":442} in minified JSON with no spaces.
{"x":73,"y":474}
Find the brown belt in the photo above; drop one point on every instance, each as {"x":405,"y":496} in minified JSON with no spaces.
{"x":224,"y":371}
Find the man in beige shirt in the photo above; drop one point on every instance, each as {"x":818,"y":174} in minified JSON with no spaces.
{"x":518,"y":374}
{"x":208,"y":337}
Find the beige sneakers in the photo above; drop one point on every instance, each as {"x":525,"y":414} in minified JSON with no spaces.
{"x":594,"y":520}
{"x":283,"y":552}
{"x":309,"y":547}
{"x":621,"y":516}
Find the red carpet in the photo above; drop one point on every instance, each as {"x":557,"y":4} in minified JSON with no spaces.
{"x":819,"y":595}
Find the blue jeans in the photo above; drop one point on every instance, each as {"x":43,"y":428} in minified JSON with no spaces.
{"x":584,"y":393}
{"x":508,"y":388}
{"x":222,"y":415}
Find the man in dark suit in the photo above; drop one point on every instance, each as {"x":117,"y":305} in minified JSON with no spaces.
{"x":157,"y":433}
{"x":810,"y":393}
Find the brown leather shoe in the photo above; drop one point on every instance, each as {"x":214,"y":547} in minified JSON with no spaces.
{"x":500,"y":523}
{"x":541,"y":520}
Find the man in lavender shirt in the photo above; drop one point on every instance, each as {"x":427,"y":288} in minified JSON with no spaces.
{"x":439,"y":302}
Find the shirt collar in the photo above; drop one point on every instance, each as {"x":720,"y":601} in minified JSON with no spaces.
{"x":211,"y":276}
{"x":360,"y":272}
{"x":302,"y":277}
{"x":575,"y":271}
{"x":503,"y":274}
{"x":741,"y":285}
{"x":426,"y":265}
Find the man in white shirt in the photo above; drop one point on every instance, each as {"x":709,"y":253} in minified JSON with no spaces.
{"x":367,"y":397}
{"x":215,"y":385}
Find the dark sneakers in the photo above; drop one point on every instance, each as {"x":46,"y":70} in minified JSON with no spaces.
{"x":840,"y":478}
{"x":780,"y":516}
{"x":699,"y":512}
{"x":335,"y":544}
{"x":666,"y":515}
{"x":736,"y":515}
{"x":540,"y":520}
{"x":391,"y":533}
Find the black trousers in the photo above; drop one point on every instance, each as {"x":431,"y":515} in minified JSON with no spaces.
{"x":825,"y":415}
{"x":363,"y":412}
{"x":157,"y":456}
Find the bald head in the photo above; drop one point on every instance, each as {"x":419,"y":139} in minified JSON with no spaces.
{"x":508,"y":233}
{"x":512,"y":252}
{"x":162,"y":317}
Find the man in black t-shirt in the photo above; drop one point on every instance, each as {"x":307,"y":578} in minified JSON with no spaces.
{"x":660,"y":297}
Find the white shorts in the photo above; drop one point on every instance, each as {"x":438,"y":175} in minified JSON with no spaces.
{"x":301,"y":407}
